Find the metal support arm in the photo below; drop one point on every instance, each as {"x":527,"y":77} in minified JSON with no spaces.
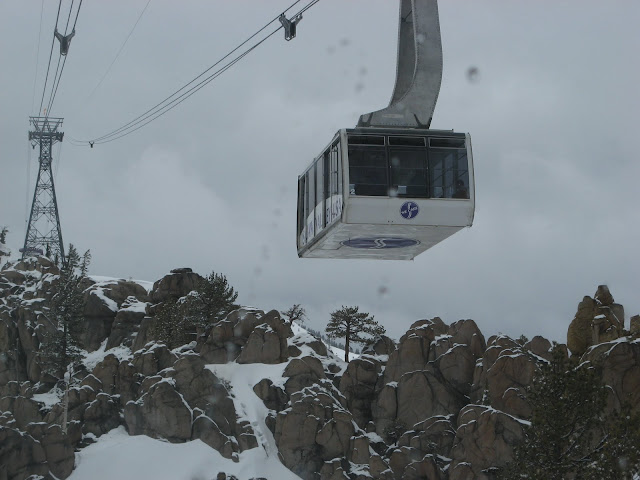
{"x":419,"y":69}
{"x":289,"y":25}
{"x":65,"y":41}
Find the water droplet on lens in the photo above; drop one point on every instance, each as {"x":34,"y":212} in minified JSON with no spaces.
{"x":473,"y":74}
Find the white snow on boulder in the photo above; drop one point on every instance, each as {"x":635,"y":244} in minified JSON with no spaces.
{"x":118,"y":455}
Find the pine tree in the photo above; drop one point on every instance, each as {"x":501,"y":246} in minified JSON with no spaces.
{"x":295,"y":313}
{"x":354,"y":326}
{"x":61,"y":345}
{"x":570,"y":436}
{"x":178,"y":322}
{"x":620,"y":455}
{"x":170,"y":325}
{"x":211,"y":301}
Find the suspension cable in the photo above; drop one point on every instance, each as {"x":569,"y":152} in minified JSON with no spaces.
{"x":178,"y":100}
{"x":188,"y":89}
{"x":119,"y":52}
{"x":35,"y":78}
{"x":77,"y":13}
{"x":66,"y":27}
{"x":53,"y":85}
{"x":28,"y":182}
{"x":50,"y":54}
{"x":54,"y":91}
{"x":159,"y":105}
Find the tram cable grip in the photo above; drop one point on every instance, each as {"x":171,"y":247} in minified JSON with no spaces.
{"x":289,"y":25}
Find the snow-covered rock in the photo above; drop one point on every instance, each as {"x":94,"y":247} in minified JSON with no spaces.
{"x":255,"y":397}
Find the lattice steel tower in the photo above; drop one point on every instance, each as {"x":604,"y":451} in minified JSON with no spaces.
{"x":44,"y":235}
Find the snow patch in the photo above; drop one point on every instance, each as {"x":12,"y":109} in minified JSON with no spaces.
{"x":133,"y":305}
{"x":241,"y":379}
{"x":106,"y":281}
{"x":49,"y":399}
{"x":91,"y":359}
{"x":99,"y":292}
{"x":118,"y":455}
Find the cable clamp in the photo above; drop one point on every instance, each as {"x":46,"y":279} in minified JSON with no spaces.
{"x":289,"y":25}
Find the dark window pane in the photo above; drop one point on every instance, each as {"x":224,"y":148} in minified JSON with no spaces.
{"x":367,"y":171}
{"x":407,"y":141}
{"x":300,"y":206}
{"x":365,"y":140}
{"x":339,"y":166}
{"x":449,"y":173}
{"x":447,"y":142}
{"x":306,"y":196}
{"x":408,"y":173}
{"x":312,"y":191}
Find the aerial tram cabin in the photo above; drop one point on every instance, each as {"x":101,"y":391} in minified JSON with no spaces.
{"x":385,"y":193}
{"x":391,"y":188}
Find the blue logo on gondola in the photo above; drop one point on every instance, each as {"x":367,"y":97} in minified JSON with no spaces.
{"x":409,"y":210}
{"x":380,"y":242}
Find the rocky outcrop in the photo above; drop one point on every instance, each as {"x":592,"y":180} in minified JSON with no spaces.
{"x":484,"y":440}
{"x":443,"y":403}
{"x":103,"y":302}
{"x":598,"y":319}
{"x":126,"y":323}
{"x":12,"y":366}
{"x":634,"y":326}
{"x":37,"y":449}
{"x":315,"y":429}
{"x":620,"y":363}
{"x":102,"y":415}
{"x":160,"y":413}
{"x":175,"y":285}
{"x":502,"y":376}
{"x":430,"y":374}
{"x":358,"y":385}
{"x":21,"y":455}
{"x":247,"y":336}
{"x":272,"y":396}
{"x":434,"y":436}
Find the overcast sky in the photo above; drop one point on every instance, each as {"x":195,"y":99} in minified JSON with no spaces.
{"x":553,"y":116}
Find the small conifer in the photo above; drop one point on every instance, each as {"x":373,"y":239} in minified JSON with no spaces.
{"x":354,"y":326}
{"x":61,"y":343}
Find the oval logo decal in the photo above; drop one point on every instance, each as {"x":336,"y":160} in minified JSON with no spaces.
{"x":380,"y":242}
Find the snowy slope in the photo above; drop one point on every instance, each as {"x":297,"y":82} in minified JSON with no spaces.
{"x":141,"y":457}
{"x":118,"y":455}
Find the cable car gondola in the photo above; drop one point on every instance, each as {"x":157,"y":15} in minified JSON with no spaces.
{"x":391,"y":188}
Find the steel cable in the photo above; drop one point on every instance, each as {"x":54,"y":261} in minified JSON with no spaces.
{"x":35,"y":77}
{"x":177,"y":101}
{"x":66,"y":31}
{"x":174,"y":99}
{"x":53,"y":41}
{"x":119,"y":52}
